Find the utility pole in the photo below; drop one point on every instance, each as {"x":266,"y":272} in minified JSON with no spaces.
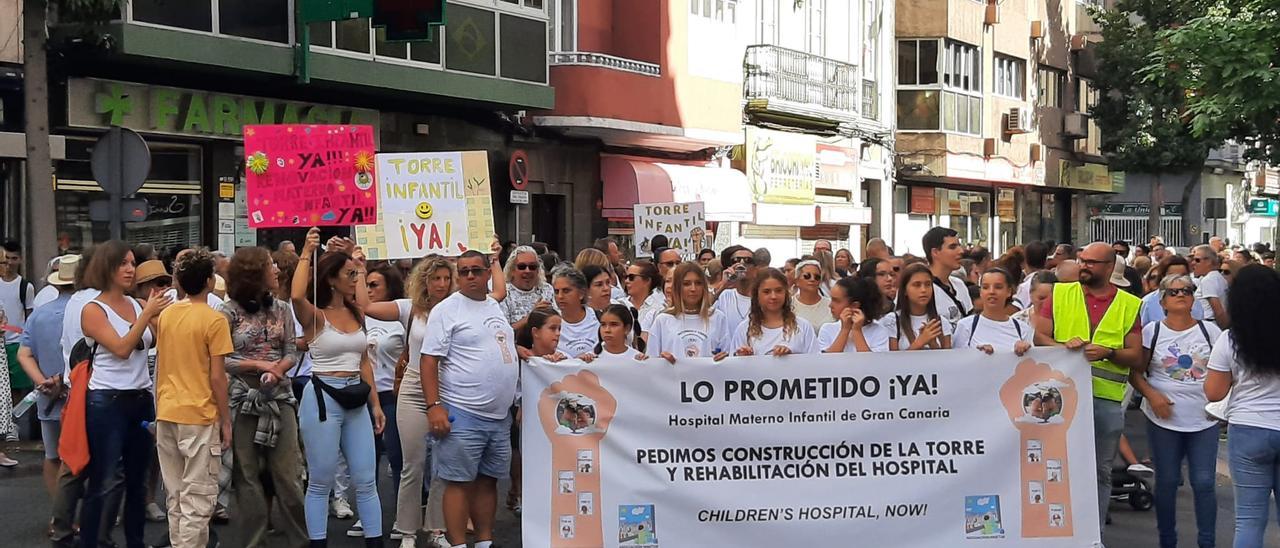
{"x":40,"y":226}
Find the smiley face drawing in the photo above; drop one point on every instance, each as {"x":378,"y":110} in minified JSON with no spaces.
{"x":423,"y":210}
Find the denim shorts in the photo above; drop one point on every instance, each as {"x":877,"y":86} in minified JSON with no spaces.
{"x":474,"y":445}
{"x":50,"y":431}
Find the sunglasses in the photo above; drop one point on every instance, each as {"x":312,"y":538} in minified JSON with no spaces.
{"x":527,"y":266}
{"x":809,"y":277}
{"x":740,"y":260}
{"x":634,"y":277}
{"x":469,"y":272}
{"x":1180,"y":292}
{"x":1198,"y":259}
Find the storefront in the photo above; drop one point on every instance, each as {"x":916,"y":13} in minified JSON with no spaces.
{"x":196,"y":179}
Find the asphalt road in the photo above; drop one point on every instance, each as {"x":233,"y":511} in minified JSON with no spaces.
{"x":24,"y":510}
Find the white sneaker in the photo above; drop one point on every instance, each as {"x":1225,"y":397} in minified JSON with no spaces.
{"x":356,"y":530}
{"x":340,"y":508}
{"x":396,"y":535}
{"x":437,"y":540}
{"x":1140,"y":469}
{"x":408,"y":541}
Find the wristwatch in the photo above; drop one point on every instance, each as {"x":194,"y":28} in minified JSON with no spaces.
{"x":433,"y":404}
{"x":1111,"y":354}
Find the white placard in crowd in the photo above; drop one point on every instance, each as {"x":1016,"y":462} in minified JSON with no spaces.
{"x":684,"y":225}
{"x":905,"y":449}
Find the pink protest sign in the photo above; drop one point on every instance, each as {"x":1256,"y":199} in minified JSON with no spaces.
{"x":310,"y":175}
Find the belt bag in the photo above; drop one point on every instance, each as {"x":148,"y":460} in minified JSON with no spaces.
{"x":351,"y":396}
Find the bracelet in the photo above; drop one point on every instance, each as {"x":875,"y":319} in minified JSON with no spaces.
{"x":433,"y":405}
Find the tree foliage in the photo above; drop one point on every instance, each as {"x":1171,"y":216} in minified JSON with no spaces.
{"x":1141,"y":115}
{"x":1228,"y":60}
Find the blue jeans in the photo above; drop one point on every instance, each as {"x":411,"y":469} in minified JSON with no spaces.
{"x":351,"y":432}
{"x":1255,"y":471}
{"x":1200,"y":449}
{"x":1108,"y":424}
{"x":113,"y":421}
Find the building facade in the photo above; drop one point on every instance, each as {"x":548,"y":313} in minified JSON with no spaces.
{"x":994,"y":134}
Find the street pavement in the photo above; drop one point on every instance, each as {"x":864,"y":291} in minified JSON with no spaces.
{"x":24,"y":509}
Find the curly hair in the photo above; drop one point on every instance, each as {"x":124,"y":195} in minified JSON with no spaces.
{"x":193,"y":271}
{"x":247,"y":279}
{"x":1252,"y":301}
{"x":755,"y":323}
{"x":418,"y":285}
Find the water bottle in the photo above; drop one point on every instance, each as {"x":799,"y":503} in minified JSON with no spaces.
{"x":26,"y":403}
{"x":149,"y":426}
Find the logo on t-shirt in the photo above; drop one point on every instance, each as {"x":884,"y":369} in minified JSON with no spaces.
{"x":499,"y":328}
{"x":693,"y":342}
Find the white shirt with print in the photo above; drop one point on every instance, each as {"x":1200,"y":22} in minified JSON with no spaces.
{"x":1179,"y":364}
{"x":890,"y":321}
{"x":477,"y":351}
{"x":802,"y":340}
{"x":947,"y":307}
{"x":579,"y":338}
{"x":689,"y":335}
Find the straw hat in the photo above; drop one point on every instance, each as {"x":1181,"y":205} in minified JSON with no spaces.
{"x":1117,"y":274}
{"x":150,"y":270}
{"x":66,"y":272}
{"x":219,"y":284}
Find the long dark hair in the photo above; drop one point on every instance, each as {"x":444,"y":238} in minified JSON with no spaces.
{"x":1010,"y":281}
{"x":628,"y":317}
{"x":247,"y":279}
{"x":867,"y":270}
{"x":755,"y":322}
{"x":1252,"y":302}
{"x":903,"y":309}
{"x":330,"y":266}
{"x":391,"y":276}
{"x":866,"y":293}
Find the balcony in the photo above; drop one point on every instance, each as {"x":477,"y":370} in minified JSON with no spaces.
{"x":790,"y":83}
{"x":591,"y":59}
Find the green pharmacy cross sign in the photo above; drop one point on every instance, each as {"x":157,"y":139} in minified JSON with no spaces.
{"x":404,"y":20}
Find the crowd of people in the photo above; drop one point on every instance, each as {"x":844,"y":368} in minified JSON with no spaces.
{"x":266,"y":387}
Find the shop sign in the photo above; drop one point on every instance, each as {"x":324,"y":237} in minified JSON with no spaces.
{"x":177,"y":111}
{"x":1263,"y":206}
{"x":924,"y":200}
{"x":781,"y":166}
{"x":1006,"y":205}
{"x":430,"y":202}
{"x":1091,"y":177}
{"x":837,"y":168}
{"x":684,"y":225}
{"x":1138,"y":209}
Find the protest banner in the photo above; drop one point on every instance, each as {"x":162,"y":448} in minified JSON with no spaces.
{"x":430,"y":202}
{"x":943,"y":448}
{"x":683,"y":223}
{"x":309,"y":175}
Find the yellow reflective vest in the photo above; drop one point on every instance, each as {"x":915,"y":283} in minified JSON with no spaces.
{"x":1071,"y":320}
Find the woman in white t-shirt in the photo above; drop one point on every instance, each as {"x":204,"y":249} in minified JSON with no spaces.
{"x":1171,"y":381}
{"x":644,"y":294}
{"x":809,"y":301}
{"x":859,"y":305}
{"x":1243,"y":363}
{"x":579,"y":329}
{"x":772,"y":326}
{"x":619,"y":337}
{"x":993,"y":329}
{"x":915,"y":320}
{"x":430,"y":282}
{"x":691,"y":327}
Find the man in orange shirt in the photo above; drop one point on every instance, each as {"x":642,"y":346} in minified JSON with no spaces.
{"x":193,"y":420}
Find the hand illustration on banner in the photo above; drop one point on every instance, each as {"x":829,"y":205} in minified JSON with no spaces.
{"x":1042,"y":403}
{"x":575,"y":414}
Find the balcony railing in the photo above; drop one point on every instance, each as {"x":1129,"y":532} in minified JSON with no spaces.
{"x":590,"y":59}
{"x":794,"y":76}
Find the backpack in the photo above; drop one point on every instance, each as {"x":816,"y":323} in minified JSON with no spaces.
{"x":978,"y":317}
{"x":23,"y":285}
{"x":1155,"y":338}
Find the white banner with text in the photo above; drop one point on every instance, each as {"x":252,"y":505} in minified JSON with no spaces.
{"x":939,"y":448}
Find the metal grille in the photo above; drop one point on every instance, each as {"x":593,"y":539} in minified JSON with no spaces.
{"x":781,"y":73}
{"x":1134,"y":229}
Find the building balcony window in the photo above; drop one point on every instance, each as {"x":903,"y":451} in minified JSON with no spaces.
{"x":870,"y":100}
{"x":591,"y":59}
{"x":781,"y":79}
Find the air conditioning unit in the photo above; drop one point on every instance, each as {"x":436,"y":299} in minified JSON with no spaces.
{"x":1079,"y":41}
{"x":989,"y":147}
{"x":993,"y":13}
{"x":1037,"y":152}
{"x":1020,"y":120}
{"x":1075,"y":125}
{"x":1037,"y":29}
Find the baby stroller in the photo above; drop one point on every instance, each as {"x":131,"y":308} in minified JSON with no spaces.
{"x":1132,"y":484}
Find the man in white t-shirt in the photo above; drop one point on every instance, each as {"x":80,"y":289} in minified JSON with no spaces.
{"x":734,"y":300}
{"x":469,"y":372}
{"x":950,"y":296}
{"x":1211,"y":287}
{"x":17,"y":297}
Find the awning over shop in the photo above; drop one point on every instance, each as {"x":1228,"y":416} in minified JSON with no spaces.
{"x":627,"y":182}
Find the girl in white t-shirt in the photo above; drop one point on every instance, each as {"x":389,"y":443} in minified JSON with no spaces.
{"x":540,"y":336}
{"x":915,"y":320}
{"x":1244,"y":363}
{"x":993,"y":329}
{"x":580,"y":329}
{"x":858,"y":304}
{"x":618,"y":332}
{"x":772,"y":326}
{"x":691,"y":327}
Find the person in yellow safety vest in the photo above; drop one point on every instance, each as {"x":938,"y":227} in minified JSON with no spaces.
{"x":1093,"y":315}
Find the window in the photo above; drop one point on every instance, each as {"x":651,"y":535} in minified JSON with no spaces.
{"x":261,"y":19}
{"x":767,"y":29}
{"x":354,"y":35}
{"x":817,"y":21}
{"x":562,"y":30}
{"x":1010,"y":77}
{"x":193,"y":15}
{"x":924,"y":102}
{"x":724,"y":11}
{"x":1086,"y":95}
{"x":1049,"y":84}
